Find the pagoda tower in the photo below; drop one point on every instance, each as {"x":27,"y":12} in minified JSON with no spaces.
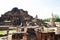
{"x":36,"y":17}
{"x":52,"y":20}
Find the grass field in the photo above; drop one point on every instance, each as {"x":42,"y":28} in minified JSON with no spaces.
{"x":4,"y":32}
{"x":12,"y":31}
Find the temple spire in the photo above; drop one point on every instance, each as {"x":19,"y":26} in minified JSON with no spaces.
{"x":36,"y":17}
{"x":52,"y":20}
{"x":52,"y":15}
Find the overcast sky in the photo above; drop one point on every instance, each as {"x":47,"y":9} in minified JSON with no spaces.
{"x":42,"y":8}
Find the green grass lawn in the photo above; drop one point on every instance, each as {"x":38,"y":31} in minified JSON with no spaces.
{"x":4,"y":32}
{"x":12,"y":31}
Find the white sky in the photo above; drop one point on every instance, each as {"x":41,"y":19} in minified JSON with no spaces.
{"x":43,"y":8}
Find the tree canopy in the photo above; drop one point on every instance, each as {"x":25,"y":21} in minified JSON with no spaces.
{"x":56,"y":19}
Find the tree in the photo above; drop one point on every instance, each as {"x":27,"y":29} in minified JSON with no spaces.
{"x":46,"y":19}
{"x":57,"y":19}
